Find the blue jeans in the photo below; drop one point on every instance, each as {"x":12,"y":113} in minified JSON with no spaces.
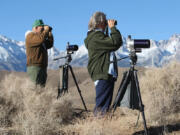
{"x":104,"y":93}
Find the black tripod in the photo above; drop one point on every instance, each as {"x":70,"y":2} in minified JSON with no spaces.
{"x":63,"y":82}
{"x":130,"y":79}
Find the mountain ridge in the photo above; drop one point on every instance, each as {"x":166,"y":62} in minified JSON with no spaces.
{"x":13,"y":54}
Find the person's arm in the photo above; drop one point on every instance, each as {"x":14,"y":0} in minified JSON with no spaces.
{"x":112,"y":43}
{"x":36,"y":39}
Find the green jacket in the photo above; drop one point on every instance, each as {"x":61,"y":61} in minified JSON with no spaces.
{"x":99,"y":47}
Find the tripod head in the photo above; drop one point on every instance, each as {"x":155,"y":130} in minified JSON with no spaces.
{"x":70,"y":50}
{"x":132,"y":56}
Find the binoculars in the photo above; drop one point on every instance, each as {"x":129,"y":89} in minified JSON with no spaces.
{"x":115,"y":23}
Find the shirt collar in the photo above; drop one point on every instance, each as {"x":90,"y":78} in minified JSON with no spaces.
{"x":98,"y":29}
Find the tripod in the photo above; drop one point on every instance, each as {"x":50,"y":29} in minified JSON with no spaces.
{"x":130,"y":79}
{"x":63,"y":82}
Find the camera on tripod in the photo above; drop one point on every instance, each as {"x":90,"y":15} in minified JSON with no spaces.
{"x":64,"y":73}
{"x":71,"y":48}
{"x":129,"y":91}
{"x":63,"y":84}
{"x":137,"y":44}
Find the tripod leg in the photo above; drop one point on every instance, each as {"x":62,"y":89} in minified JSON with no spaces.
{"x":60,"y":84}
{"x":63,"y":80}
{"x":77,"y":87}
{"x":140,"y":101}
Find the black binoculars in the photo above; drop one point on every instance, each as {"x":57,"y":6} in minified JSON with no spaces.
{"x":115,"y":23}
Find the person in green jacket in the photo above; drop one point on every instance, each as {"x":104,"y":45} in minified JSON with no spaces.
{"x":101,"y":49}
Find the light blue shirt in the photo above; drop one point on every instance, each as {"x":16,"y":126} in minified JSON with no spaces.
{"x":112,"y":69}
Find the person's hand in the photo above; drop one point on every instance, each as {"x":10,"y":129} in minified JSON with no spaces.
{"x":111,"y":23}
{"x":47,"y":28}
{"x":50,"y":34}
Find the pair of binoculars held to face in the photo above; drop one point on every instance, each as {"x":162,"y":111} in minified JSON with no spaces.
{"x":115,"y":23}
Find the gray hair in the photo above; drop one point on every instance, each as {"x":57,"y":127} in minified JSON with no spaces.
{"x":96,"y":19}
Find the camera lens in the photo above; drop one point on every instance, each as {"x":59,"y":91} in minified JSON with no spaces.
{"x":141,"y":43}
{"x":72,"y":48}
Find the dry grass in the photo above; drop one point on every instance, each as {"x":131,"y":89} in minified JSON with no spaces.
{"x":26,"y":110}
{"x":32,"y":111}
{"x":161,"y":92}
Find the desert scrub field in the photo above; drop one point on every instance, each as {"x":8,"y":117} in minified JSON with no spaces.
{"x":29,"y":110}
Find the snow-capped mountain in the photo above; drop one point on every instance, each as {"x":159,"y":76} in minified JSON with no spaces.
{"x":160,"y":53}
{"x":13,"y":54}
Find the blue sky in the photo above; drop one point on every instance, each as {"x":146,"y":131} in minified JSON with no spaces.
{"x":153,"y":19}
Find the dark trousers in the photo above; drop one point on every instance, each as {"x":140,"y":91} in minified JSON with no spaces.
{"x":104,"y":93}
{"x":38,"y":75}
